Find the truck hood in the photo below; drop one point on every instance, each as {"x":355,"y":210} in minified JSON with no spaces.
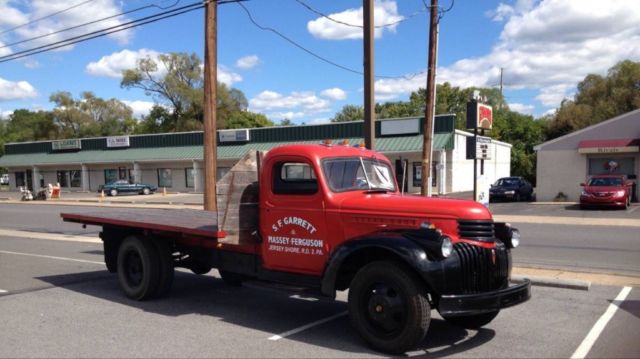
{"x":395,"y":204}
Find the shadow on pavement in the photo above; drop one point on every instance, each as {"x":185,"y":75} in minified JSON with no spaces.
{"x":265,"y":310}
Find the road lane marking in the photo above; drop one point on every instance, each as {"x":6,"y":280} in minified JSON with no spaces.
{"x":307,"y":326}
{"x":52,"y":257}
{"x":49,"y":236}
{"x":597,"y":329}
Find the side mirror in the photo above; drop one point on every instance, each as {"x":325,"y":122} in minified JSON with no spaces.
{"x":582,"y":184}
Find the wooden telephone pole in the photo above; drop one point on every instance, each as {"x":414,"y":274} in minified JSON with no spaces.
{"x":429,"y":103}
{"x":369,"y":91}
{"x":210,"y":100}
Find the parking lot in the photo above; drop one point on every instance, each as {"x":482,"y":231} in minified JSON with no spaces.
{"x":55,"y":289}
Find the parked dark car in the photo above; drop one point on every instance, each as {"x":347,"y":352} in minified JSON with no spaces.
{"x":606,"y":190}
{"x":123,"y":186}
{"x":511,"y":188}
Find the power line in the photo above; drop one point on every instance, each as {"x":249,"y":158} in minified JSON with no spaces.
{"x":46,"y":17}
{"x":106,"y":31}
{"x":92,"y":22}
{"x":317,"y":12}
{"x":319,"y":57}
{"x":110,"y":30}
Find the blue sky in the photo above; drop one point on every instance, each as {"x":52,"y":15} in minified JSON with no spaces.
{"x":545,"y":47}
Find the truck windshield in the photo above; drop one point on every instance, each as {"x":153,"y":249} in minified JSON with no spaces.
{"x":356,"y":173}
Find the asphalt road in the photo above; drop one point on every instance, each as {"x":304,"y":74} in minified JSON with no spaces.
{"x":57,"y":300}
{"x":604,"y":249}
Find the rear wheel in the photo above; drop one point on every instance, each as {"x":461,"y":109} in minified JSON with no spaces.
{"x":113,"y":192}
{"x":389,"y":307}
{"x":146,"y":191}
{"x":472,"y":321}
{"x":138,"y":268}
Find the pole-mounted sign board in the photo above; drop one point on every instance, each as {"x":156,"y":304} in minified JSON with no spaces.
{"x":479,"y":116}
{"x":479,"y":149}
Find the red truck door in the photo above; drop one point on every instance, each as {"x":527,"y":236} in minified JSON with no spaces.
{"x":293,"y":219}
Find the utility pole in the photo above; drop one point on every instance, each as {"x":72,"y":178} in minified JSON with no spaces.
{"x":369,"y":92}
{"x":501,"y":70}
{"x":430,"y":101}
{"x":210,"y":100}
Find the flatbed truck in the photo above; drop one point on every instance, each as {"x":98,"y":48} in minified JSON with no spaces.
{"x":327,"y":218}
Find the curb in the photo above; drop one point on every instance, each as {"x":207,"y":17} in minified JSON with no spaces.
{"x":553,"y":282}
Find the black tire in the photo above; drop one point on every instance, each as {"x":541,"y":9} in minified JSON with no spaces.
{"x":517,"y":197}
{"x":138,"y":268}
{"x":146,"y":191}
{"x":113,"y":192}
{"x":110,"y":248}
{"x":380,"y":285}
{"x":472,"y":321}
{"x":165,"y":256}
{"x":232,"y":279}
{"x":627,"y":203}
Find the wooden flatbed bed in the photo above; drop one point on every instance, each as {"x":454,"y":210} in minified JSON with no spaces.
{"x":189,"y":222}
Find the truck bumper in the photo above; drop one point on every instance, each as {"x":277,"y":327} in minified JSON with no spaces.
{"x":471,"y":304}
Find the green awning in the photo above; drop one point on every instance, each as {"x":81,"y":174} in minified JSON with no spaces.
{"x":187,"y":153}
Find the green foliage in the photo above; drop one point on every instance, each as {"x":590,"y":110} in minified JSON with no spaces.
{"x":598,"y":98}
{"x":246,"y":119}
{"x":349,"y":113}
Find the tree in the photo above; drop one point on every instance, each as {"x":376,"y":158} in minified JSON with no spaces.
{"x":286,"y":122}
{"x":598,"y":98}
{"x":349,"y":113}
{"x":176,"y":82}
{"x":246,"y":119}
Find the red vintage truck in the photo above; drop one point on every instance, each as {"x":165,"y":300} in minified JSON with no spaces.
{"x":327,"y":218}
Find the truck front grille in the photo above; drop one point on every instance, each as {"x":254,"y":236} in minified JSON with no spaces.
{"x":481,"y":230}
{"x":482,"y":269}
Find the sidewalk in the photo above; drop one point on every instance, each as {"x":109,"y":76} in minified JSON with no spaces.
{"x":191,"y":199}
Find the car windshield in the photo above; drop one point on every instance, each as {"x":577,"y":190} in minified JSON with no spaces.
{"x":605,"y":181}
{"x":507,"y":182}
{"x":356,"y":173}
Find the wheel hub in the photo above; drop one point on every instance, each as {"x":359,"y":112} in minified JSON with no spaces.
{"x":385,"y":309}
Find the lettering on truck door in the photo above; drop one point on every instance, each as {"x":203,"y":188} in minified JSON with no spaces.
{"x":294,"y":237}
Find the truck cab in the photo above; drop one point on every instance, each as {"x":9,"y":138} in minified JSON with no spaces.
{"x":329,"y":218}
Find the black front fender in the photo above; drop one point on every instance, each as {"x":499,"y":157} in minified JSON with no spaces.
{"x":399,"y":247}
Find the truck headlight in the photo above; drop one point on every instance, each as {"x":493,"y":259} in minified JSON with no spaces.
{"x":515,"y":237}
{"x":446,"y":246}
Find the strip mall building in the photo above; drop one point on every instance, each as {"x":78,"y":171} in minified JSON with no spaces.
{"x":174,"y":160}
{"x":612,"y":146}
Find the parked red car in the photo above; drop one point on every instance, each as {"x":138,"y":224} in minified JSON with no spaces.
{"x":606,"y":190}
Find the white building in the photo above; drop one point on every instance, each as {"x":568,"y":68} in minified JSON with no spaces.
{"x":612,"y":146}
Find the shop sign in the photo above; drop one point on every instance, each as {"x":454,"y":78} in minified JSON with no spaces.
{"x":624,"y":149}
{"x":118,"y":141}
{"x":479,"y":116}
{"x":62,"y":145}
{"x":234,"y":135}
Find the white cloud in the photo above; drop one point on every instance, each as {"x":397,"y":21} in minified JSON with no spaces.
{"x":113,"y":65}
{"x":140,"y":108}
{"x":334,"y":93}
{"x":385,"y":12}
{"x":248,"y":62}
{"x":31,"y":64}
{"x":16,"y":13}
{"x":4,"y":51}
{"x":10,"y":90}
{"x":522,"y":108}
{"x":296,"y":104}
{"x":227,"y":76}
{"x":5,"y":114}
{"x":319,"y":121}
{"x":548,"y":46}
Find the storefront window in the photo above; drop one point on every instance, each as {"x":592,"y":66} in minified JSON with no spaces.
{"x":221,"y":171}
{"x":604,"y":165}
{"x":110,"y":175}
{"x":62,"y":178}
{"x":164,"y":177}
{"x":19,"y":179}
{"x":76,"y":178}
{"x":189,"y":174}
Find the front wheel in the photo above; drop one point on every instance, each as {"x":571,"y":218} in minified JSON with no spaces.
{"x":146,"y":191}
{"x":113,"y":192}
{"x":472,"y":321}
{"x":388,"y":307}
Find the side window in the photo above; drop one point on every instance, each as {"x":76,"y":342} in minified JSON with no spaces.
{"x":294,"y":178}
